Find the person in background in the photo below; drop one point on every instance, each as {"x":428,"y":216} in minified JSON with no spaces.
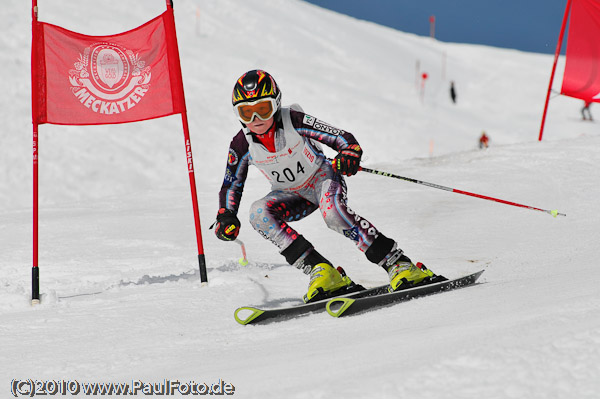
{"x":586,"y":107}
{"x":484,"y":140}
{"x":284,"y":143}
{"x":452,"y":92}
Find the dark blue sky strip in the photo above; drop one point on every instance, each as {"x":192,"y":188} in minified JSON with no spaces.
{"x":527,"y":25}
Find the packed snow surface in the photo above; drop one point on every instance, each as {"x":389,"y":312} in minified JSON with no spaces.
{"x":121,"y":295}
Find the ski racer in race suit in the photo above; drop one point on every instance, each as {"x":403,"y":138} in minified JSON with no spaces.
{"x":284,"y":143}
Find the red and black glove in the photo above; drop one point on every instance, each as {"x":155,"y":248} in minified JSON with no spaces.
{"x":228,"y":225}
{"x":347,"y":161}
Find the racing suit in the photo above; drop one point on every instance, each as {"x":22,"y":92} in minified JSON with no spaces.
{"x":302,"y":181}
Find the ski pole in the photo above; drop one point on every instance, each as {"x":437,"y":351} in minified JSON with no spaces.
{"x":243,"y":260}
{"x":553,"y":212}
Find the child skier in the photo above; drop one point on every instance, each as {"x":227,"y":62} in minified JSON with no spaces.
{"x":285,"y":144}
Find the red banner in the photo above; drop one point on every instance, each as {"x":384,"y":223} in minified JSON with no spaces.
{"x":582,"y":69}
{"x":92,"y":80}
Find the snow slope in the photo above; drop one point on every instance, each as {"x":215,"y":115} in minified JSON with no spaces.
{"x":122,"y":299}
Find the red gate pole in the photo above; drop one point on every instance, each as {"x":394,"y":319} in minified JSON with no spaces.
{"x":190,"y":162}
{"x":556,"y":54}
{"x":188,"y":150}
{"x":432,"y":26}
{"x":35,"y":271}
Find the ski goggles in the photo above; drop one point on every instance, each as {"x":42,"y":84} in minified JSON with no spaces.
{"x":264,"y":109}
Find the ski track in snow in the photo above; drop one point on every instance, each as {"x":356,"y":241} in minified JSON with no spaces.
{"x":122,"y":299}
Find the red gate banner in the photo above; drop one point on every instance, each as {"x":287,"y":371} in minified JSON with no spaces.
{"x":92,"y":80}
{"x":582,"y":69}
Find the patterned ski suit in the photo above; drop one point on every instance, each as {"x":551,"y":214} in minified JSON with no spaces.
{"x":302,"y":181}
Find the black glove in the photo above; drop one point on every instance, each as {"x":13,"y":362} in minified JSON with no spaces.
{"x":228,"y":225}
{"x":347,"y":161}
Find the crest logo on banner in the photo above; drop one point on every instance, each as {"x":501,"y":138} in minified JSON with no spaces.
{"x":109,"y":79}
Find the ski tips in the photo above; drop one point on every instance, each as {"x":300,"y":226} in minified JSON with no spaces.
{"x":336,"y":306}
{"x":254,"y":313}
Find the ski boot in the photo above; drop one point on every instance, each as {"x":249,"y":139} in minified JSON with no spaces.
{"x":326,"y":281}
{"x":404,"y":274}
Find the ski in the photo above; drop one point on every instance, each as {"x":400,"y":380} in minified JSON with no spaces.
{"x":252,"y":315}
{"x":339,"y":306}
